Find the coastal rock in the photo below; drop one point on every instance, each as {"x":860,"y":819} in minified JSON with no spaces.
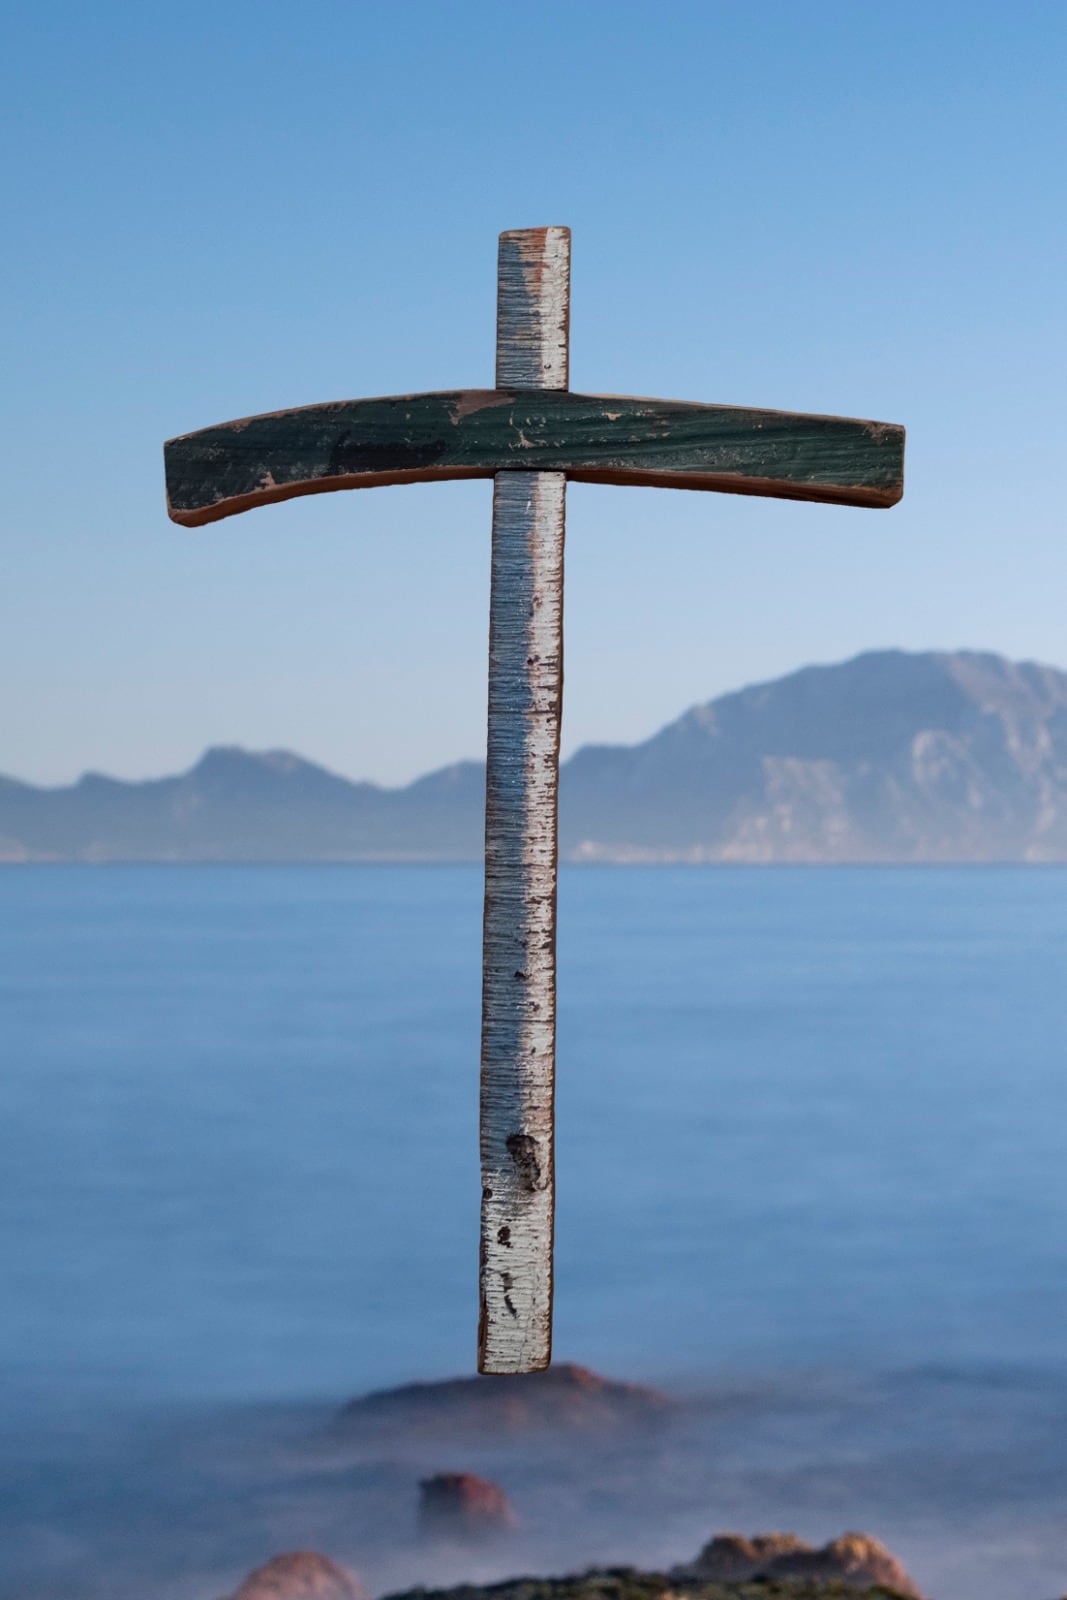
{"x":564,"y":1397}
{"x":856,"y":1558}
{"x":301,"y":1575}
{"x":460,"y":1506}
{"x":625,"y":1583}
{"x":732,"y":1557}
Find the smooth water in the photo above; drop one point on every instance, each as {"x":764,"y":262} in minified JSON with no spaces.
{"x":812,"y":1134}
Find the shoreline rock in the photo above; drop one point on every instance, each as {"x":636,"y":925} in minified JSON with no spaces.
{"x":735,"y":1557}
{"x":629,"y":1583}
{"x":767,"y":1566}
{"x":563,"y":1398}
{"x":301,"y":1575}
{"x":857,"y":1559}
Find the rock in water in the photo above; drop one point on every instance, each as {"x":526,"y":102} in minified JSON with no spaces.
{"x":624,"y":1583}
{"x":458,"y":1506}
{"x":301,"y":1575}
{"x":565,"y":1397}
{"x":733,"y":1558}
{"x":855,"y":1558}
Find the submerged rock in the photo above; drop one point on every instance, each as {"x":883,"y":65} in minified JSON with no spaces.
{"x":460,"y":1506}
{"x":565,"y":1397}
{"x":301,"y":1575}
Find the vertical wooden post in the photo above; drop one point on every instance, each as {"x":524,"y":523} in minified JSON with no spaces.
{"x":522,"y":781}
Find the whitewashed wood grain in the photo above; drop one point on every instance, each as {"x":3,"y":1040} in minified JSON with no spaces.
{"x":522,"y":782}
{"x":533,"y":309}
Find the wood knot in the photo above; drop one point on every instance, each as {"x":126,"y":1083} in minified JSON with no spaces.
{"x":522,"y":1148}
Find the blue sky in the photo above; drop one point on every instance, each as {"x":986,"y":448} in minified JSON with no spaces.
{"x":213,"y":210}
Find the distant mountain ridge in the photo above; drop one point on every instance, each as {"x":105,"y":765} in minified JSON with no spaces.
{"x":890,"y":757}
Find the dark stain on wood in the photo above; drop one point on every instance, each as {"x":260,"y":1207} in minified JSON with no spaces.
{"x":522,"y":1149}
{"x":354,"y":444}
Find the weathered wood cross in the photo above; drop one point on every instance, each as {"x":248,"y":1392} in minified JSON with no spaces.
{"x":529,"y":434}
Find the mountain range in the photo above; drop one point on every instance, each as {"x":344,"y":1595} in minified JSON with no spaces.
{"x":890,"y":757}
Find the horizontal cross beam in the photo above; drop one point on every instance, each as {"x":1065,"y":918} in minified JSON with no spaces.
{"x":476,"y":433}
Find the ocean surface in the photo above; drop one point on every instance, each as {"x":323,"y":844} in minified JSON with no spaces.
{"x":812,"y":1178}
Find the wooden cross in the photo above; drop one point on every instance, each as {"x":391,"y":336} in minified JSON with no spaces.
{"x":530,"y":435}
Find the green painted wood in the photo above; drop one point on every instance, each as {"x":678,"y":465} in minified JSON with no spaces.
{"x":475,"y":433}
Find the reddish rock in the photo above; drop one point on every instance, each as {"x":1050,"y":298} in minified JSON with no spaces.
{"x":460,"y":1506}
{"x":562,"y":1397}
{"x":301,"y":1575}
{"x":733,"y":1558}
{"x":855,"y":1558}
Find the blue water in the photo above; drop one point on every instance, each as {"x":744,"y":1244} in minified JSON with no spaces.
{"x":808,"y":1121}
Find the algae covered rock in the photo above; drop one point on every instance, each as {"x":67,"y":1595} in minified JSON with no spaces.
{"x":626,"y":1583}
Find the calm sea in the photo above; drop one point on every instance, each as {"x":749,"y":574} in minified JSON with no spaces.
{"x":812,"y":1154}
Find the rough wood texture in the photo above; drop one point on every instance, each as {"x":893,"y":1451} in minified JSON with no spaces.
{"x":522,"y":786}
{"x":519,"y":957}
{"x":533,"y":309}
{"x":475,"y":433}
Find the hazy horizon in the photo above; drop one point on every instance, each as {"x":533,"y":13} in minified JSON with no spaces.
{"x":568,"y":746}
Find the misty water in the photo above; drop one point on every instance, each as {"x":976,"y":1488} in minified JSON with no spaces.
{"x":812,"y":1179}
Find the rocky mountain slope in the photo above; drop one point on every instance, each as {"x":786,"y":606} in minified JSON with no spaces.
{"x":890,"y":757}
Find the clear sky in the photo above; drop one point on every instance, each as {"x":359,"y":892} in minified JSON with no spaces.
{"x":217,"y":209}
